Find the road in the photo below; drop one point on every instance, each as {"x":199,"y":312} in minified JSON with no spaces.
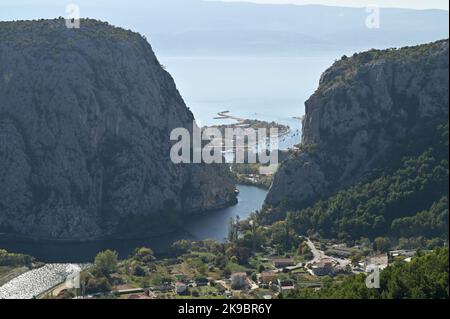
{"x":318,"y":255}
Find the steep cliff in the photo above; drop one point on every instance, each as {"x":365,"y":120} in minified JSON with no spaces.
{"x":85,"y":122}
{"x":368,"y":112}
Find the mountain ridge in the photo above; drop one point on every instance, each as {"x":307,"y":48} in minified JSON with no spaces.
{"x":225,"y":28}
{"x":365,"y":107}
{"x":85,"y":122}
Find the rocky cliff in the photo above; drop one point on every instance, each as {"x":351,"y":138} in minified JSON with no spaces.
{"x":85,"y":122}
{"x":368,"y":110}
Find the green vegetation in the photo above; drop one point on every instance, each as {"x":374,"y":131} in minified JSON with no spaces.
{"x":427,"y":223}
{"x":13,"y":265}
{"x":99,"y":279}
{"x":205,"y":267}
{"x":106,"y":262}
{"x":425,"y":277}
{"x":34,"y":33}
{"x":248,"y":174}
{"x":14,"y":260}
{"x":346,"y":67}
{"x":410,"y":201}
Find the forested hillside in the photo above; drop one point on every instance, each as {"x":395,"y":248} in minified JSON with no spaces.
{"x":409,"y":201}
{"x":426,"y":277}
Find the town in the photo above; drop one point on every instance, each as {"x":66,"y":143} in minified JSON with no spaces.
{"x":201,"y":270}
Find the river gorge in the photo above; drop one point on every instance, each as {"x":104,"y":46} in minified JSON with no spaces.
{"x":213,"y":225}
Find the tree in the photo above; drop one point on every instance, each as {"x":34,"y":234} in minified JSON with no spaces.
{"x":254,"y":229}
{"x":303,"y":249}
{"x":138,"y":271}
{"x":144,"y":255}
{"x":382,"y":244}
{"x":96,"y":285}
{"x":243,"y":254}
{"x":238,"y":254}
{"x":106,"y":262}
{"x":11,"y":259}
{"x":202,"y":268}
{"x":261,"y":268}
{"x":408,"y":198}
{"x":425,"y":277}
{"x":283,"y":235}
{"x":233,"y":229}
{"x":180,"y":247}
{"x":220,"y":261}
{"x":226,"y":272}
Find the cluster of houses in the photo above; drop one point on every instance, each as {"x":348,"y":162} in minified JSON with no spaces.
{"x":182,"y":287}
{"x":241,"y":281}
{"x":381,"y":261}
{"x":269,"y":279}
{"x":325,"y":267}
{"x":407,"y":255}
{"x":331,"y":266}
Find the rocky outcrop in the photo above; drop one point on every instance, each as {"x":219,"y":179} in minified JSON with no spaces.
{"x":85,"y":122}
{"x":366,"y":107}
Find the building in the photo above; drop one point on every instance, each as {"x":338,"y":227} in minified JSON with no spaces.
{"x":283,"y":262}
{"x":239,"y":280}
{"x":325,"y":267}
{"x":402,"y":253}
{"x":285,"y":285}
{"x":181,"y":288}
{"x":202,"y":281}
{"x":341,"y":251}
{"x":267,"y":277}
{"x":381,"y":261}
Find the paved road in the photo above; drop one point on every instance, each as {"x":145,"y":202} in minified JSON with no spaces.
{"x":318,"y":255}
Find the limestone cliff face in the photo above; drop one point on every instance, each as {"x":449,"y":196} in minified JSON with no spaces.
{"x":365,"y":107}
{"x":85,"y":122}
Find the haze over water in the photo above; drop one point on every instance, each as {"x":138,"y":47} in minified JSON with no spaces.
{"x":263,"y":88}
{"x":266,"y":88}
{"x":261,"y":71}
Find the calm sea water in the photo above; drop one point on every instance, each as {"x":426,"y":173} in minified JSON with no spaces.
{"x":264,"y":88}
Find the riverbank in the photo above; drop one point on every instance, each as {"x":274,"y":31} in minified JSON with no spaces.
{"x":210,"y":225}
{"x":6,"y":238}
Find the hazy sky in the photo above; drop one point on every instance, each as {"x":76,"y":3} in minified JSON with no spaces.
{"x":414,"y":4}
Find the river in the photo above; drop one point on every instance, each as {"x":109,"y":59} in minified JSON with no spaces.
{"x":261,"y":88}
{"x":213,"y":225}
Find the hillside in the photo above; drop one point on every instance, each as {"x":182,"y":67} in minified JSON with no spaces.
{"x":85,"y":121}
{"x":408,"y":202}
{"x":426,"y":277}
{"x":369,"y":111}
{"x":374,"y":155}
